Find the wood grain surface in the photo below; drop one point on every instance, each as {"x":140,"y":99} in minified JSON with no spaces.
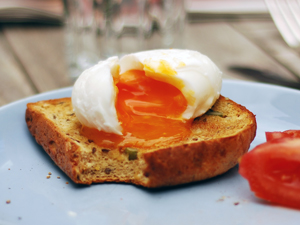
{"x":32,"y":58}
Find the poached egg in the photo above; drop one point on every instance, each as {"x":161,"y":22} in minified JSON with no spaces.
{"x":146,"y":95}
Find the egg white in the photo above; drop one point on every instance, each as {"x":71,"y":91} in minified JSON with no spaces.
{"x":93,"y":97}
{"x":194,"y":74}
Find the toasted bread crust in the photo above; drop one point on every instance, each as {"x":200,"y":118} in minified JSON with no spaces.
{"x":196,"y":161}
{"x":214,"y":147}
{"x":60,"y":148}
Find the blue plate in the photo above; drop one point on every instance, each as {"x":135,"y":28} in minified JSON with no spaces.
{"x":225,"y":199}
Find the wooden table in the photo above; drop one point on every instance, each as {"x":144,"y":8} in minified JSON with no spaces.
{"x":32,"y":57}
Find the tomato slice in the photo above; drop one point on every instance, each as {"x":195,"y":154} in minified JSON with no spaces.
{"x":273,"y":171}
{"x":278,"y":134}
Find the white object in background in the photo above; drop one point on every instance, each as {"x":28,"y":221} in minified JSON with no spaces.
{"x":81,"y":45}
{"x":286,"y":16}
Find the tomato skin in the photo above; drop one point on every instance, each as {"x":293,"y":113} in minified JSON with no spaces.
{"x":273,"y":171}
{"x":278,"y":134}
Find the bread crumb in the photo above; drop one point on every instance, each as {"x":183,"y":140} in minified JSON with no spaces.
{"x":58,"y":177}
{"x":8,"y":201}
{"x":221,"y":199}
{"x":49,"y":173}
{"x":67,"y":182}
{"x":48,"y":177}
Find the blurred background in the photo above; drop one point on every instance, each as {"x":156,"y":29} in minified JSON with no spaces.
{"x":46,"y":44}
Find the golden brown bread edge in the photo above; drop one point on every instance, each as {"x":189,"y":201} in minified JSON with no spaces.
{"x":216,"y":144}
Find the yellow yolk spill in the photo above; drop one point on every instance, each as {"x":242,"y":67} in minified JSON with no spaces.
{"x":147,"y":109}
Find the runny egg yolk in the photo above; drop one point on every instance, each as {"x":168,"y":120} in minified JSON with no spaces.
{"x":147,"y":109}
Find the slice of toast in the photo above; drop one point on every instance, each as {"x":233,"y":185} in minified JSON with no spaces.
{"x":216,"y":144}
